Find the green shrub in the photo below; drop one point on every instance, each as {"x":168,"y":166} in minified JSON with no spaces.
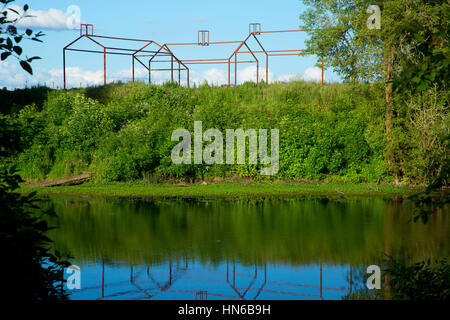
{"x":122,"y":131}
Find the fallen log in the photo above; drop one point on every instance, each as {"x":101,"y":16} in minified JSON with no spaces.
{"x":70,"y":180}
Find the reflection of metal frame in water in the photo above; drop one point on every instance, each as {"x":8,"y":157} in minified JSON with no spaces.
{"x":177,"y":272}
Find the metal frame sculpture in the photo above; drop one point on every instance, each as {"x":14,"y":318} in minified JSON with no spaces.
{"x":146,"y":57}
{"x":87,"y":32}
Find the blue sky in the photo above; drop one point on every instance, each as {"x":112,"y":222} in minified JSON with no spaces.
{"x":163,"y":22}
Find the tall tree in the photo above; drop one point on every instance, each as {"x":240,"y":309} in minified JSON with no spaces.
{"x":409,"y":50}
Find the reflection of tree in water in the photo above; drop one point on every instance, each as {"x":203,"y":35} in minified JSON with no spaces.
{"x":292,"y":232}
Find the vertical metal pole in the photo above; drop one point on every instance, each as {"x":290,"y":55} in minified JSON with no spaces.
{"x":104,"y":66}
{"x":321,"y":281}
{"x":131,"y":274}
{"x":132,"y":67}
{"x":64,"y":68}
{"x":103,"y":278}
{"x":179,"y":74}
{"x":257,"y":71}
{"x":235,"y":69}
{"x":265,"y":273}
{"x":170,"y":273}
{"x":234,"y":274}
{"x":267,"y":68}
{"x":149,"y":72}
{"x":227,"y":269}
{"x":171,"y":68}
{"x":351,"y":280}
{"x":229,"y":72}
{"x":188,"y":78}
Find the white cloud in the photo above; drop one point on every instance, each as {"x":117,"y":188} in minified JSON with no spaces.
{"x":12,"y":76}
{"x":289,"y":77}
{"x":313,"y":74}
{"x":310,"y":74}
{"x":218,"y":76}
{"x":50,"y":19}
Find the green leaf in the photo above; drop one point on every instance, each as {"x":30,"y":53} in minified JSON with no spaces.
{"x":25,"y":7}
{"x":26,"y":66}
{"x":29,"y":32}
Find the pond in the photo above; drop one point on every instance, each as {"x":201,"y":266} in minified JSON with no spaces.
{"x":291,"y":248}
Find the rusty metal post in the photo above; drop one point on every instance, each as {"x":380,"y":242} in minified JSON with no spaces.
{"x":170,"y":273}
{"x":321,"y":281}
{"x":351,"y":280}
{"x":187,"y":77}
{"x":235,"y":69}
{"x":179,"y":74}
{"x":64,"y":67}
{"x":149,"y":72}
{"x":265,"y":272}
{"x":257,"y":71}
{"x":132,"y":67}
{"x":234,"y":275}
{"x":229,"y":72}
{"x":103,"y":278}
{"x":267,"y":69}
{"x":227,"y":270}
{"x":171,"y":67}
{"x":104,"y":66}
{"x":131,"y":273}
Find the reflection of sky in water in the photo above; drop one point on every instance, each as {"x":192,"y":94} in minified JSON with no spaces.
{"x":166,"y":282}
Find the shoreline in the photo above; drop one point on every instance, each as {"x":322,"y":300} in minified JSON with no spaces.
{"x":230,"y":190}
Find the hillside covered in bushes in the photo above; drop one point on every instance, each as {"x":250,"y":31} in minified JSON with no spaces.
{"x":122,"y":132}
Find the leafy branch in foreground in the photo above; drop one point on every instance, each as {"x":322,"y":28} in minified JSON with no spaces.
{"x":420,"y":281}
{"x":11,"y":37}
{"x":33,"y":272}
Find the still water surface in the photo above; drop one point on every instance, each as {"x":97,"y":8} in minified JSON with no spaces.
{"x":246,"y":249}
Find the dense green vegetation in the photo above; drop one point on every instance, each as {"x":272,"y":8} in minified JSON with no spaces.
{"x":122,"y":132}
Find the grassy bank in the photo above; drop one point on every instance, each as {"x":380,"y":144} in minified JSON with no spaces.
{"x":226,"y":190}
